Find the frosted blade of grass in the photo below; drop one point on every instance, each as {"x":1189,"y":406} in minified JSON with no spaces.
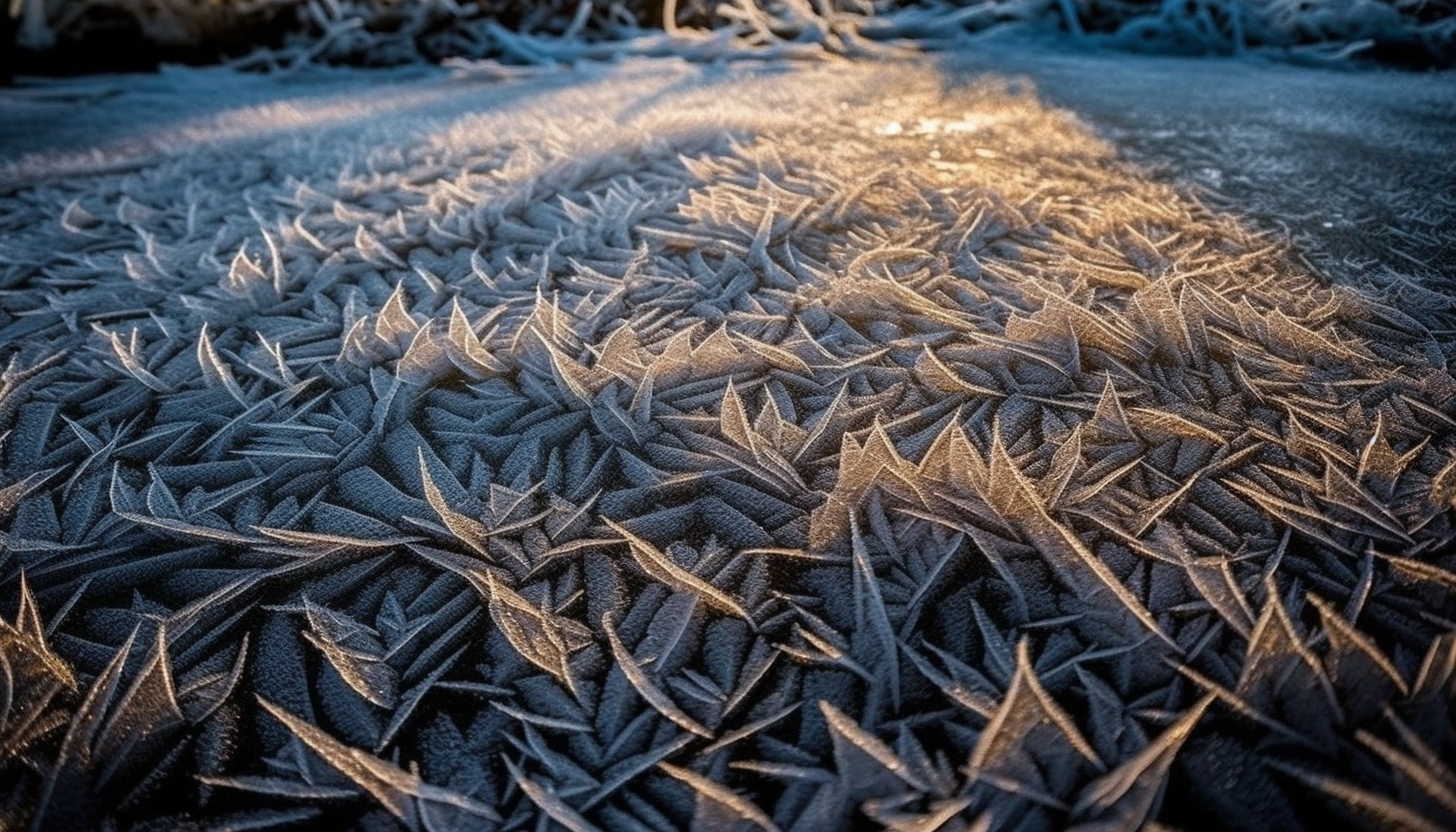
{"x":554,"y":807}
{"x":215,"y":371}
{"x":1026,"y":706}
{"x":354,"y":653}
{"x":279,"y":787}
{"x":977,"y":702}
{"x":1129,"y":795}
{"x":1435,"y":782}
{"x":1360,"y":802}
{"x":646,"y":688}
{"x":467,"y":530}
{"x":1064,"y":552}
{"x":400,"y":792}
{"x":855,"y":748}
{"x":77,"y":747}
{"x":722,"y":795}
{"x":127,"y":355}
{"x":27,"y":638}
{"x":660,"y":567}
{"x":1346,"y":643}
{"x":746,"y":731}
{"x":533,"y":632}
{"x":870,"y":606}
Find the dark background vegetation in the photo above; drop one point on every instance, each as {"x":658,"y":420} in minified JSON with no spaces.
{"x":60,"y":37}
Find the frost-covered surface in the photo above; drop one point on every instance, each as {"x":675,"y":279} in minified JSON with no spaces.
{"x":63,"y":33}
{"x":665,"y":445}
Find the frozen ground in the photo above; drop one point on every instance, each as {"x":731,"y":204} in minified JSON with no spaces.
{"x":1001,"y":438}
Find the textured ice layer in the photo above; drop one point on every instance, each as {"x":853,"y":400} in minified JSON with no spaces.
{"x":661,"y":445}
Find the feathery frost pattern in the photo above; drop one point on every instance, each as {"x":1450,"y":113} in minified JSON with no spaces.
{"x":721,"y":468}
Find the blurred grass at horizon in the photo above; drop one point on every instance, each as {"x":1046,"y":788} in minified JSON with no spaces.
{"x":69,"y":37}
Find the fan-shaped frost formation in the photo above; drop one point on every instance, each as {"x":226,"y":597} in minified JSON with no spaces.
{"x":767,"y":451}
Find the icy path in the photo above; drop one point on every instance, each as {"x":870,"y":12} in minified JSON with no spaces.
{"x":955,"y":439}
